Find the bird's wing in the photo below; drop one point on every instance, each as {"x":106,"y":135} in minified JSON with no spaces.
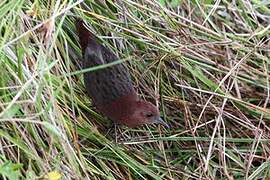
{"x":106,"y":84}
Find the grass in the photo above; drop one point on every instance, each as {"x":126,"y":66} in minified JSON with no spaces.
{"x":205,"y":63}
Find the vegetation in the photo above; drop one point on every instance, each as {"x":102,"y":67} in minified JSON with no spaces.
{"x":205,"y":63}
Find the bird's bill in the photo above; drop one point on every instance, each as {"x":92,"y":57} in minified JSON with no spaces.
{"x":159,"y":120}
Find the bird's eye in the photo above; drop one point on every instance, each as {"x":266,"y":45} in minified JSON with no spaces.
{"x":149,"y":114}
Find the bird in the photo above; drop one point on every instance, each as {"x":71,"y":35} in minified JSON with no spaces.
{"x":111,"y":89}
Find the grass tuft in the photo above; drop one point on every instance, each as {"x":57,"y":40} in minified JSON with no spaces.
{"x":204,"y":63}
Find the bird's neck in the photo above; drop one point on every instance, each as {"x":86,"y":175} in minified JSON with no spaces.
{"x":121,"y":107}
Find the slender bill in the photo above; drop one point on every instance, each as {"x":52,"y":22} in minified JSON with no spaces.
{"x":159,"y":120}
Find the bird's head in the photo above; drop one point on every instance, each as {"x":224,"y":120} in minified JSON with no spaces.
{"x":145,"y":113}
{"x":131,"y":111}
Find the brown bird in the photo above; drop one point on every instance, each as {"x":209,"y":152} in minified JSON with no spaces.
{"x":111,"y":88}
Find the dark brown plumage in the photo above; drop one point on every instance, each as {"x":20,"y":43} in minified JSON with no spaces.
{"x":111,"y":88}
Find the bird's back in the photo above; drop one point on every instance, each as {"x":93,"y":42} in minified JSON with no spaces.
{"x":107,"y":84}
